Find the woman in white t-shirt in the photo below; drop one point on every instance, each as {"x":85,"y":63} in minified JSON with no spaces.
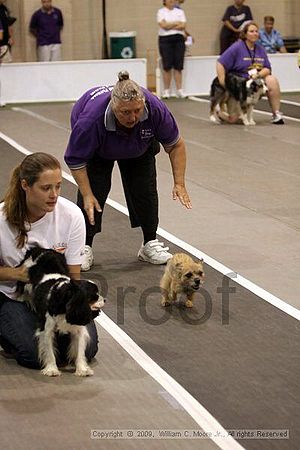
{"x":32,"y":214}
{"x":171,"y":41}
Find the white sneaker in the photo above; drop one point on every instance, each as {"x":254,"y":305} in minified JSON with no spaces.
{"x":180,"y":94}
{"x":166,"y":93}
{"x":277,"y":118}
{"x":154,"y":252}
{"x":88,"y":259}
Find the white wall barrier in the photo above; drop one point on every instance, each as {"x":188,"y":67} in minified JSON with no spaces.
{"x":199,"y":71}
{"x":63,"y":80}
{"x":67,"y":80}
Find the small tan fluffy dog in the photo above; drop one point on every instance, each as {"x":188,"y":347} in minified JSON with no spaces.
{"x":182,"y":275}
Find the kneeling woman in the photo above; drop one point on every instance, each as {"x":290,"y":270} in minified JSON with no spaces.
{"x":32,"y":214}
{"x":249,"y":60}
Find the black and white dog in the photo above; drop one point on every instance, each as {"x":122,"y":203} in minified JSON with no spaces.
{"x":61,"y":304}
{"x":237,"y":99}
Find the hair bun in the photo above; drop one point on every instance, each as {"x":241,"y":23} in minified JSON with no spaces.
{"x":123,"y":75}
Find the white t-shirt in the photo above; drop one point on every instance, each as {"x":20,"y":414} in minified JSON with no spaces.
{"x":170,"y":15}
{"x":62,"y":229}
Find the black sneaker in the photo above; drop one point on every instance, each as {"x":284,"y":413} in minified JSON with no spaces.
{"x":277,"y":118}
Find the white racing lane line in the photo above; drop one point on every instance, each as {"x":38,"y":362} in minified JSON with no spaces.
{"x":252,"y":287}
{"x":287,"y":102}
{"x":41,"y":118}
{"x":202,"y":417}
{"x":265,"y":113}
{"x":257,"y":290}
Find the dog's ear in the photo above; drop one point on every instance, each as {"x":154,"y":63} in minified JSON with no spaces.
{"x":78,"y":311}
{"x":177,"y":270}
{"x":34,"y":252}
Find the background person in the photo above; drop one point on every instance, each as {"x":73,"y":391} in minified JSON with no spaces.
{"x":171,"y":43}
{"x":234,"y":18}
{"x":7,"y":36}
{"x":124,"y":124}
{"x":189,"y":40}
{"x":269,"y":38}
{"x":33,"y":213}
{"x":46,"y":24}
{"x":248,"y":59}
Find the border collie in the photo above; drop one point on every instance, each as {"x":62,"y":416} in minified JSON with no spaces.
{"x":62,"y":305}
{"x":238,"y":98}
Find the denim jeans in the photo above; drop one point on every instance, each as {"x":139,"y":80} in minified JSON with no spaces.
{"x":17,"y":335}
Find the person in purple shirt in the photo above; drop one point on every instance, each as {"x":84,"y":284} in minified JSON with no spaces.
{"x":249,"y":60}
{"x":234,"y":18}
{"x":124,"y":123}
{"x":46,"y":24}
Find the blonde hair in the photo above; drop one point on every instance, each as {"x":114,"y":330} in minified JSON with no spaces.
{"x":15,"y":208}
{"x":126,"y":90}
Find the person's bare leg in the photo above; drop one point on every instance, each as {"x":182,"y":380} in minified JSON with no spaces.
{"x":273,"y":93}
{"x":167,"y":76}
{"x":178,"y":79}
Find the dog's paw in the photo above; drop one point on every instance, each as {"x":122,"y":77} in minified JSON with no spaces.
{"x":246,"y":123}
{"x":214,"y":119}
{"x":189,"y":304}
{"x":84,"y":371}
{"x":51,"y":371}
{"x":165,"y":302}
{"x":252,"y":122}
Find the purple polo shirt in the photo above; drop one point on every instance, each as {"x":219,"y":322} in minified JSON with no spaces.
{"x":47,"y":26}
{"x":238,"y":58}
{"x":95,"y":131}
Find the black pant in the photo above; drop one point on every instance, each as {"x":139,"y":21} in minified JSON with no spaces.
{"x":227,"y":38}
{"x":139,"y":184}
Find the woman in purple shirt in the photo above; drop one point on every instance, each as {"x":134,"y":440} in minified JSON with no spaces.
{"x":124,"y":124}
{"x":249,"y":60}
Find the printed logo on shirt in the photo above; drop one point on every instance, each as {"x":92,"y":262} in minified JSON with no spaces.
{"x":146,"y":133}
{"x":60,"y":247}
{"x":238,"y":18}
{"x":99,"y":91}
{"x":258,"y":64}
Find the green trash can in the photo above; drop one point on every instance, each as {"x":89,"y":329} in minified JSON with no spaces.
{"x":122,"y":44}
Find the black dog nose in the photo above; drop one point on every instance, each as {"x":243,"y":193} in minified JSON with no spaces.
{"x":197,"y":280}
